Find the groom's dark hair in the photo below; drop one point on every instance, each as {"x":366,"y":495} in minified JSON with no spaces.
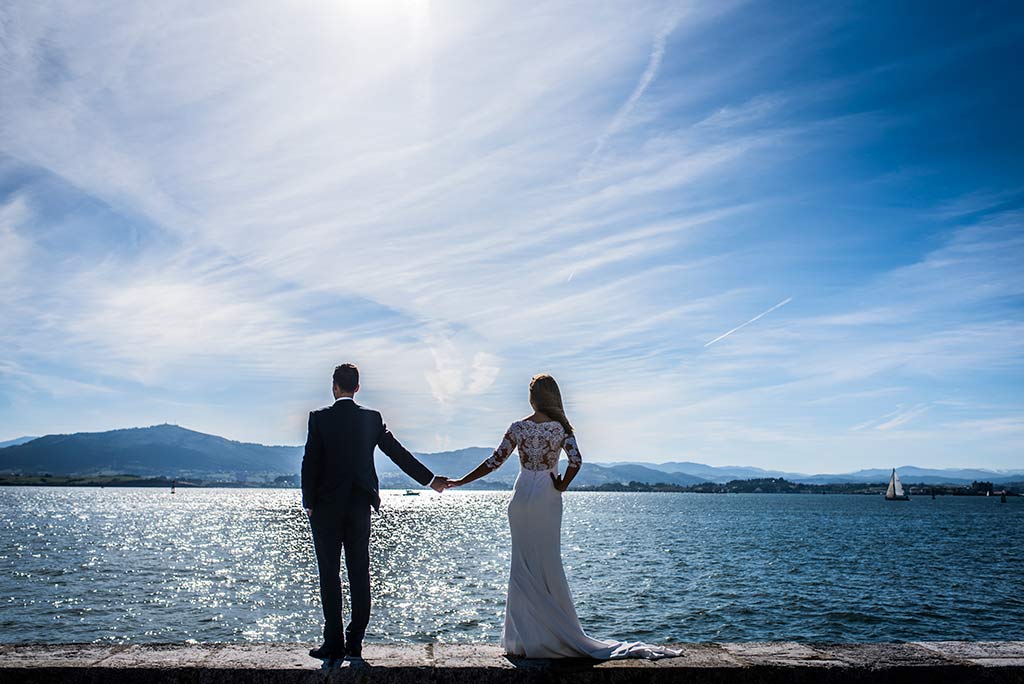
{"x":346,"y":377}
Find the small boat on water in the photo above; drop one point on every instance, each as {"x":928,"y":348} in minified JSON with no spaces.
{"x":409,"y":492}
{"x":895,"y":490}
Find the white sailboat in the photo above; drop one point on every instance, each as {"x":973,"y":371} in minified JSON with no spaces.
{"x":895,"y":490}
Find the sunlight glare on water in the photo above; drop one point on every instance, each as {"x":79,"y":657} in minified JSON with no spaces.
{"x":141,"y":564}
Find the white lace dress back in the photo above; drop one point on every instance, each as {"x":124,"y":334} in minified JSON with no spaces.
{"x":539,"y":445}
{"x":540,"y":618}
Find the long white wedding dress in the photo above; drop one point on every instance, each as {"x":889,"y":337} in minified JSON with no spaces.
{"x":540,"y":618}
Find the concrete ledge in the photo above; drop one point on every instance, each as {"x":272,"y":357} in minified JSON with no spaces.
{"x":922,"y":662}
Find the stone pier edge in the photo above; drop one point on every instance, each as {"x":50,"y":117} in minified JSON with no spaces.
{"x":913,"y":663}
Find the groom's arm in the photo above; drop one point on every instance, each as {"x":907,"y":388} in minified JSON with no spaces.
{"x":402,"y":458}
{"x":394,"y":450}
{"x":311,"y":464}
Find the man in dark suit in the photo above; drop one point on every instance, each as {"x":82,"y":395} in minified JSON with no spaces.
{"x":339,"y":486}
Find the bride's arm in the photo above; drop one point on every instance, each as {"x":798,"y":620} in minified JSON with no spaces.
{"x":572,"y":451}
{"x":492,"y":463}
{"x":480,"y":471}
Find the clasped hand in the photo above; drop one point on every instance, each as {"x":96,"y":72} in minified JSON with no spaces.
{"x":449,"y":484}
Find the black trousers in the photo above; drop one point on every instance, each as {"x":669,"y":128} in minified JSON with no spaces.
{"x":337,"y":526}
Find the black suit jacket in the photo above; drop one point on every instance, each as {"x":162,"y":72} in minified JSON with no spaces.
{"x":339,"y":455}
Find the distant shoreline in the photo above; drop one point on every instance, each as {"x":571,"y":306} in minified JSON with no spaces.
{"x":781,"y":486}
{"x":129,"y":481}
{"x":754,"y":486}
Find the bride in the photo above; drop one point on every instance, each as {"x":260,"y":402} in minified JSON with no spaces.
{"x":540,"y":618}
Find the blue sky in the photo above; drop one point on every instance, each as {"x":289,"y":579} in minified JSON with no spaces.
{"x":205,"y":207}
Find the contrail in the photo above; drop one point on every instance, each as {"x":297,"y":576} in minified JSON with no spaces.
{"x":653,"y":64}
{"x":785,"y":301}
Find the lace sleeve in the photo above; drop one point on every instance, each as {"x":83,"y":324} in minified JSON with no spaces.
{"x":504,"y":450}
{"x":572,"y":451}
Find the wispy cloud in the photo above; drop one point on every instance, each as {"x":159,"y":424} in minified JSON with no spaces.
{"x":649,"y":74}
{"x":902,"y":417}
{"x":1008,"y":426}
{"x":454,"y":377}
{"x":14,"y":216}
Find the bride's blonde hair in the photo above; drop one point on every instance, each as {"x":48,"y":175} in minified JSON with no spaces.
{"x":546,"y":398}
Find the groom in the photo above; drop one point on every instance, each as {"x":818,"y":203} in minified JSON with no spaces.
{"x":339,"y":486}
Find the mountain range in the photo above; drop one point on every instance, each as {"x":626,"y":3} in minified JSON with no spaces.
{"x":173,"y":451}
{"x":152,"y":451}
{"x":14,"y":442}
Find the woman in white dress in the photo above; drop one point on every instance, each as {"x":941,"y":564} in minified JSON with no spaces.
{"x":540,"y":618}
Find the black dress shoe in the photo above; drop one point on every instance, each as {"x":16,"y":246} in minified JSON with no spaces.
{"x":326,"y":653}
{"x":354,"y":651}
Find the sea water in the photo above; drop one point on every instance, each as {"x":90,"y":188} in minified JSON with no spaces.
{"x":235,"y":565}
